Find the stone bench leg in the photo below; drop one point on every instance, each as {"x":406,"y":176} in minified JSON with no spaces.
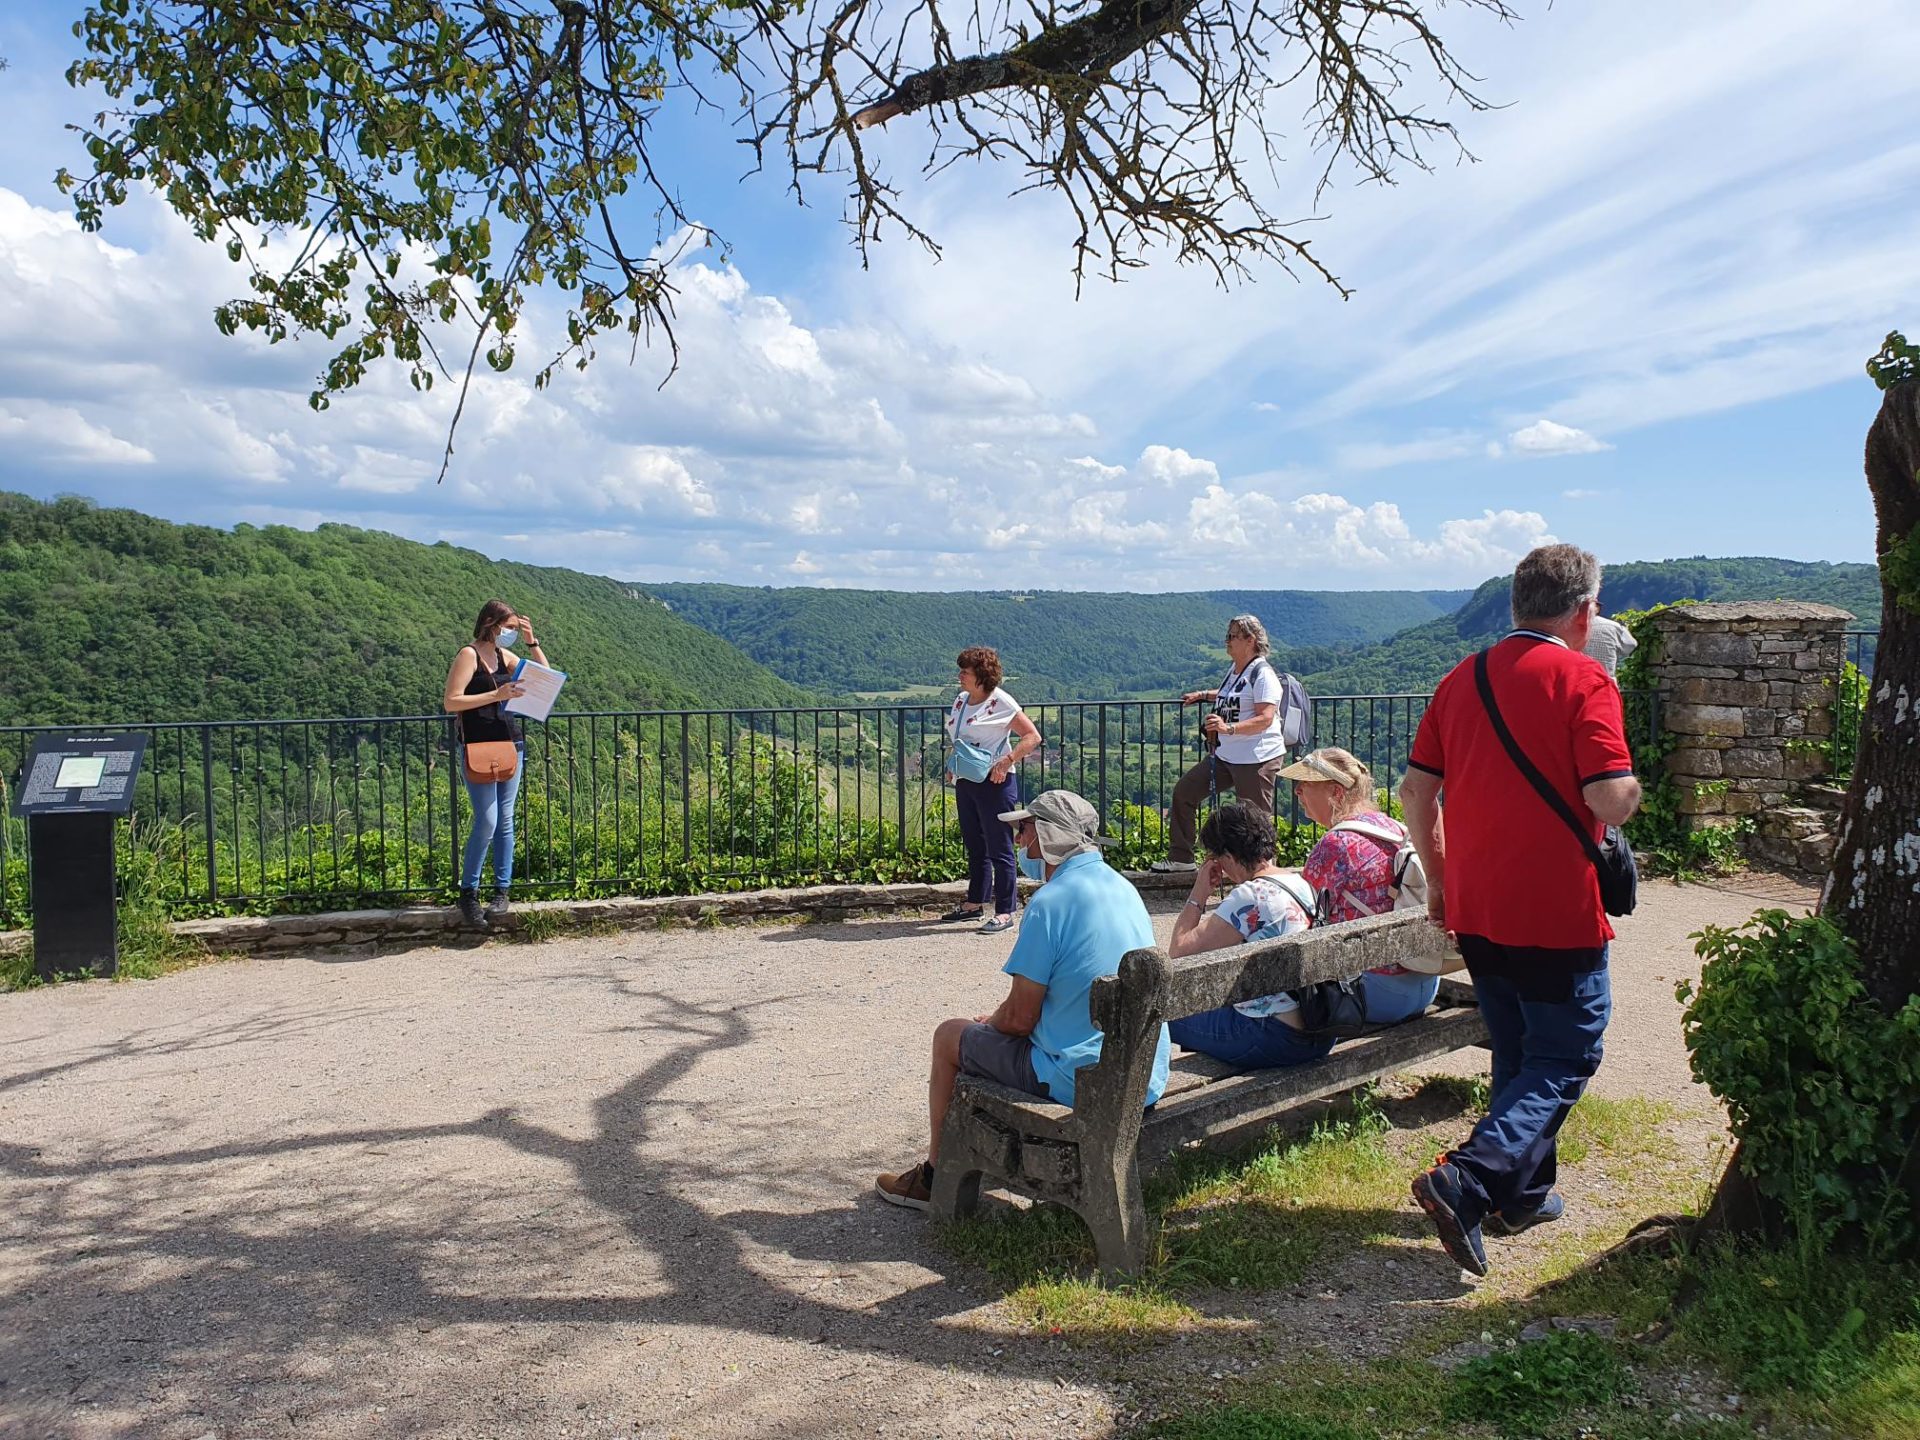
{"x":1111,"y":1204}
{"x":956,"y":1179}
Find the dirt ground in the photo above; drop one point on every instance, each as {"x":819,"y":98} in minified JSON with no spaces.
{"x":592,"y":1187}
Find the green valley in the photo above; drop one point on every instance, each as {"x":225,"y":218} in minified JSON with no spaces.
{"x":115,"y":616}
{"x":1056,"y":644}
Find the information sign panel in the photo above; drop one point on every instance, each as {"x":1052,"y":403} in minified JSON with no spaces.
{"x":78,"y":774}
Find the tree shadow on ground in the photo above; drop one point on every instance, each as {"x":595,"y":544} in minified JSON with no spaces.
{"x":179,"y":1264}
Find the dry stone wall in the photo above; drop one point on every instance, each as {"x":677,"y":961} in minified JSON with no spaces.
{"x":1746,"y":692}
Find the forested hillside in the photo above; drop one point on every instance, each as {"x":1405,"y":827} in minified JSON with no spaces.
{"x":1415,"y":660}
{"x":112,"y":615}
{"x":1056,"y":644}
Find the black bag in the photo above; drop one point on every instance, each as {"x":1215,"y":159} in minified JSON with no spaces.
{"x":1333,"y":1007}
{"x":1613,"y":857}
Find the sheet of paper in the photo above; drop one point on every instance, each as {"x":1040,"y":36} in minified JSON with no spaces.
{"x":82,"y":770}
{"x":542,"y":684}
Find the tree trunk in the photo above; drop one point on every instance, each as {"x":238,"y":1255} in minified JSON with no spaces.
{"x":1873,"y":890}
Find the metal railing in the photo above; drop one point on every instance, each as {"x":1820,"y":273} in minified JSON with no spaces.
{"x":1858,"y":652}
{"x":311,"y":814}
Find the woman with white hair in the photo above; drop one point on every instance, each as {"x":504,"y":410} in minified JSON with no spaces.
{"x":1246,"y":746}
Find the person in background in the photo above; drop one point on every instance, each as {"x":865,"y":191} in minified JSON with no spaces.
{"x":1610,"y":642}
{"x":1264,"y":904}
{"x":1082,"y":921}
{"x":1515,"y":886}
{"x":477,"y":690}
{"x":986,"y":716}
{"x":1246,"y":748}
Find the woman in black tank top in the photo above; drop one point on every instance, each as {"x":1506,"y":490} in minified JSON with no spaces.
{"x":477,"y":690}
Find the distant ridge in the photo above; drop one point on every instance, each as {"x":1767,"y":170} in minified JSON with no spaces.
{"x":1056,"y":644}
{"x":1416,"y":659}
{"x":116,"y":616}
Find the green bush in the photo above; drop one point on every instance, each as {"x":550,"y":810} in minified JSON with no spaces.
{"x":1821,"y":1085}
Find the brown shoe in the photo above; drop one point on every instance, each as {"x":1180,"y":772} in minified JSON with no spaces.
{"x":912,"y":1189}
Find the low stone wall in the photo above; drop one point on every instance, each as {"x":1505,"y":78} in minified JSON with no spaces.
{"x":439,"y":924}
{"x":1747,"y":693}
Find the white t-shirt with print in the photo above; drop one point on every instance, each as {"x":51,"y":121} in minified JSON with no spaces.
{"x":987,"y":724}
{"x":1240,"y":692}
{"x":1263,"y":909}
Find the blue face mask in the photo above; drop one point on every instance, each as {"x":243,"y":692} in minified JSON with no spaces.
{"x":1031,"y":868}
{"x":508,"y":638}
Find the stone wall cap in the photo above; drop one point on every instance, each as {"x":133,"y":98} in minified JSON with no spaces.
{"x":1721,"y":611}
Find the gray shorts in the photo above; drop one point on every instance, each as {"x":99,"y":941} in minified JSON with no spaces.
{"x":1005,"y":1059}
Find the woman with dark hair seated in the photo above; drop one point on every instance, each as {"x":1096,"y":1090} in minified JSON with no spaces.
{"x":1265,"y":903}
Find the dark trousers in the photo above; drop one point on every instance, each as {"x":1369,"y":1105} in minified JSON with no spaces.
{"x":1546,"y":1036}
{"x":988,"y":838}
{"x":1251,"y":785}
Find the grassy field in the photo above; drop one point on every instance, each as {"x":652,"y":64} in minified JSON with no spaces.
{"x":1230,"y":1333}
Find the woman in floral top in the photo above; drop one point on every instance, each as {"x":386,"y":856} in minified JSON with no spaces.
{"x":1351,"y":869}
{"x":1265,"y":903}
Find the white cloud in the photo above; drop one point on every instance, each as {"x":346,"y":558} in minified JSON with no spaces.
{"x":33,"y":429}
{"x":1546,"y":437}
{"x":1324,"y":529}
{"x":1167,"y":465}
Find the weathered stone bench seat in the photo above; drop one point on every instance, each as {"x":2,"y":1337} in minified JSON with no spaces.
{"x":1092,"y":1158}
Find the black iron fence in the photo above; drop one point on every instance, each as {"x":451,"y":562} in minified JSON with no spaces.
{"x":318,"y":814}
{"x":1859,"y":647}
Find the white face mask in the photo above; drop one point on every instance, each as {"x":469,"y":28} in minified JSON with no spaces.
{"x":506,"y":637}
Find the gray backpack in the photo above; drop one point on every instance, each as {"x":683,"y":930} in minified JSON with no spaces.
{"x":1295,"y":709}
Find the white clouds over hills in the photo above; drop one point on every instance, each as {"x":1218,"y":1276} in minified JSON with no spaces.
{"x":898,"y":461}
{"x":1677,"y":213}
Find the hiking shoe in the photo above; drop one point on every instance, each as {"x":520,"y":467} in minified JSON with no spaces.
{"x":910,"y":1189}
{"x":497,"y":906}
{"x":963,"y":913}
{"x":995,"y":925}
{"x":1438,"y":1193}
{"x":1173,"y":867}
{"x":470,"y":912}
{"x":1551,"y":1209}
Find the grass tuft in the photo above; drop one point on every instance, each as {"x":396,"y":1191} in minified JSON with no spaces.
{"x":1072,"y":1306}
{"x":1530,"y":1388}
{"x":1630,"y":1128}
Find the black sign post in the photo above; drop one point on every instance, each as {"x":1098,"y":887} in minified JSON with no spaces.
{"x":71,"y":791}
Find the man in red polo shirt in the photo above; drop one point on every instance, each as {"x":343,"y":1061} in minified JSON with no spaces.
{"x":1510,"y":879}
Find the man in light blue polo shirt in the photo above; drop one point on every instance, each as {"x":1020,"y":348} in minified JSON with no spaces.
{"x":1084,"y":919}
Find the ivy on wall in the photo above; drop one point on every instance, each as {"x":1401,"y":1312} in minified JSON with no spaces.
{"x":1662,"y":838}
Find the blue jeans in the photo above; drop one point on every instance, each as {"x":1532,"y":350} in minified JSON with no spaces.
{"x":988,"y":838}
{"x":1247,"y":1042}
{"x":1546,"y":1040}
{"x":1264,"y":1043}
{"x":492,"y":827}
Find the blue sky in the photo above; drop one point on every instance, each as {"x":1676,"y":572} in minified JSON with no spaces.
{"x":1638,"y":322}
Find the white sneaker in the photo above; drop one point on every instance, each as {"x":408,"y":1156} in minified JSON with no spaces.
{"x":1173,"y":867}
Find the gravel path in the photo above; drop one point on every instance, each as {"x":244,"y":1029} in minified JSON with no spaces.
{"x":595,"y":1187}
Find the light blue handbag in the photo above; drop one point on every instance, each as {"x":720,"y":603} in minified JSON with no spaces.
{"x":968,"y":761}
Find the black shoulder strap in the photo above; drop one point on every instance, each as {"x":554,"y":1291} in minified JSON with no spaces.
{"x":1526,"y":767}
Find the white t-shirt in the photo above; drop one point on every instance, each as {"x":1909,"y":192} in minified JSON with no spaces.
{"x":1263,"y":909}
{"x":1610,"y":642}
{"x":986,"y":724}
{"x":1240,"y":692}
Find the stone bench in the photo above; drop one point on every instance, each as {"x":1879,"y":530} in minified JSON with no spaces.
{"x":1091,"y":1158}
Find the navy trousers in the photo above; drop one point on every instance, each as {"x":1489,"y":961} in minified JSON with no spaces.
{"x":989,"y":839}
{"x":1546,"y":1036}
